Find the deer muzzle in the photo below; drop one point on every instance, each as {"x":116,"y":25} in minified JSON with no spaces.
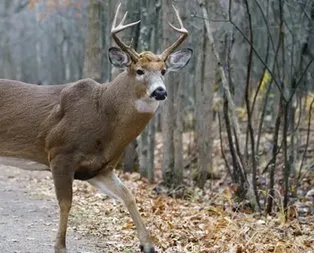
{"x":159,"y":94}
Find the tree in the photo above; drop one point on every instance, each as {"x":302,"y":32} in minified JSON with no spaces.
{"x":149,"y":40}
{"x":206,"y":78}
{"x":170,"y":179}
{"x":92,"y":62}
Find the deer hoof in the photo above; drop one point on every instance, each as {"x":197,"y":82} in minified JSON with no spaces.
{"x":147,"y":249}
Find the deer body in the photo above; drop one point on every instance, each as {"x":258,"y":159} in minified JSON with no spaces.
{"x":79,"y":130}
{"x":63,"y":114}
{"x":21,"y":140}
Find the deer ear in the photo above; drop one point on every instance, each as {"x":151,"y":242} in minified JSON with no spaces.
{"x":179,"y":59}
{"x":118,"y":58}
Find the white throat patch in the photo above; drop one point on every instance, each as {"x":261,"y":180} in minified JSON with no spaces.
{"x":145,"y":105}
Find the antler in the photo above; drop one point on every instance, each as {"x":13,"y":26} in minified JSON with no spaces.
{"x":184,"y":34}
{"x":116,"y":29}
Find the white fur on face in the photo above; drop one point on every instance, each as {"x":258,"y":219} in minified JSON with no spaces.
{"x":154,"y":80}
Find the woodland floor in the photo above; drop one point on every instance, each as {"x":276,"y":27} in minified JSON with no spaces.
{"x":201,"y":223}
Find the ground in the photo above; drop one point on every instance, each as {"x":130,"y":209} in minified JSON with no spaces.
{"x":201,"y":222}
{"x":27,"y":223}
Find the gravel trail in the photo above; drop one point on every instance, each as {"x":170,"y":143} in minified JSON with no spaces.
{"x":27,"y":224}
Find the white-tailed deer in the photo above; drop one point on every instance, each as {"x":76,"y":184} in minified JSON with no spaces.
{"x":80,"y":129}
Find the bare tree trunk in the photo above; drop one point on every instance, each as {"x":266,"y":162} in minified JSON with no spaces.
{"x":150,"y":151}
{"x":106,"y":19}
{"x":204,"y":101}
{"x":146,"y":151}
{"x":143,"y":152}
{"x":168,"y":123}
{"x":178,"y":132}
{"x":168,"y":116}
{"x":272,"y":165}
{"x":232,"y":125}
{"x":92,"y":62}
{"x":250,"y":131}
{"x":130,"y":158}
{"x":147,"y":41}
{"x":210,"y":36}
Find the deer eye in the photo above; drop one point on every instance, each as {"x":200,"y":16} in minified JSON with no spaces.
{"x":163,"y":72}
{"x":140,"y":72}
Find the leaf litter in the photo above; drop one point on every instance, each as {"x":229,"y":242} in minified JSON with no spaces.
{"x":205,"y":222}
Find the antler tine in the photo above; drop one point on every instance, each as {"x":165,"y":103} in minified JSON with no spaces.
{"x":182,"y":30}
{"x":118,"y":28}
{"x":115,"y":17}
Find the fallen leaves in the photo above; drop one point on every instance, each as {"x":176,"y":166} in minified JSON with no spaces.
{"x":178,"y":225}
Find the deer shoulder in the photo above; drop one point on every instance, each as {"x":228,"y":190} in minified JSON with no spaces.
{"x":75,"y":128}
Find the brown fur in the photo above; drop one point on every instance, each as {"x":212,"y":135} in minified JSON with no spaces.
{"x":150,"y":61}
{"x":85,"y":119}
{"x":78,"y":129}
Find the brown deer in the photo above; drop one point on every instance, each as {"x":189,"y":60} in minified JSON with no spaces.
{"x":80,"y":129}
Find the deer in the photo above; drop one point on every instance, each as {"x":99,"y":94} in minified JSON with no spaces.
{"x":80,"y":129}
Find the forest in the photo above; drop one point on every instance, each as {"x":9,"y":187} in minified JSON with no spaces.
{"x":227,"y":162}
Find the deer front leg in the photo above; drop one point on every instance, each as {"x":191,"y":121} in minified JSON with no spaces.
{"x":63,"y":180}
{"x":111,"y":184}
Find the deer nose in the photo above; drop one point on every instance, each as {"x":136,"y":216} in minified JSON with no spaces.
{"x":159,"y":94}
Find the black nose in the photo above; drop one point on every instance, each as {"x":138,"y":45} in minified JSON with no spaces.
{"x":159,"y":94}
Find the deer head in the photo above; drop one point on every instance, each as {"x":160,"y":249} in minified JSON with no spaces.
{"x":148,"y":69}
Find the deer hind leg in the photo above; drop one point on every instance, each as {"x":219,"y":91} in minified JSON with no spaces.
{"x":63,"y":180}
{"x":111,"y":185}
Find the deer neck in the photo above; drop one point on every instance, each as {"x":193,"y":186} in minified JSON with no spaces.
{"x":121,"y":107}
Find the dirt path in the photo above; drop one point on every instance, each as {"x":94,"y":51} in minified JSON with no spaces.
{"x":27,"y":224}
